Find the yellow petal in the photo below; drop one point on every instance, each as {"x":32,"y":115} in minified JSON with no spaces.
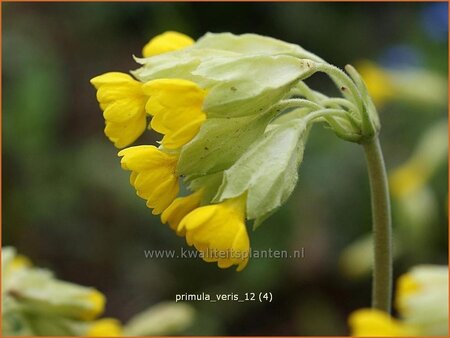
{"x":422,"y":299}
{"x":184,"y":134}
{"x":219,"y":232}
{"x":378,"y":83}
{"x":166,"y":42}
{"x":110,"y":93}
{"x":407,"y":285}
{"x":123,"y":134}
{"x":179,"y":208}
{"x":168,"y":193}
{"x":172,"y":93}
{"x":375,"y":323}
{"x":110,"y":78}
{"x":176,"y":106}
{"x":140,"y":158}
{"x":123,"y":102}
{"x":153,"y":175}
{"x":105,"y":327}
{"x":97,"y":305}
{"x":124,"y":110}
{"x":20,"y":262}
{"x":406,"y":179}
{"x":147,"y":182}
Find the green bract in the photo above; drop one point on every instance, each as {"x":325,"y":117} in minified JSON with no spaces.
{"x":220,"y":142}
{"x":177,"y":64}
{"x":235,"y":93}
{"x":267,"y":171}
{"x":252,"y":44}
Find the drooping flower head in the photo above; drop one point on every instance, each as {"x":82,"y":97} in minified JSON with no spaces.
{"x":233,"y":113}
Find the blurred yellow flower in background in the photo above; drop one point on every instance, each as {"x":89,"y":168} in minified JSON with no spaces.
{"x":376,"y":323}
{"x":422,"y":304}
{"x":105,"y":327}
{"x":401,"y":84}
{"x":35,"y":303}
{"x":378,"y":82}
{"x":428,"y":156}
{"x":34,"y":300}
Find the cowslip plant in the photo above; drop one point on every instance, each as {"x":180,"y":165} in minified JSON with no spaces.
{"x":234,"y":115}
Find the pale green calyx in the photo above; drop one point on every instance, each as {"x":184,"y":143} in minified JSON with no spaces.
{"x":258,"y":114}
{"x":267,"y":171}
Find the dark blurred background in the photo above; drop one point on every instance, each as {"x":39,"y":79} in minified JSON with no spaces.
{"x":69,"y":207}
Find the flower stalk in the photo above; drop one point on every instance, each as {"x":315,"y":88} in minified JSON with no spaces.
{"x":381,"y":226}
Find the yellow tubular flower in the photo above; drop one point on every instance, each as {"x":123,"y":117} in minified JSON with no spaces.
{"x":105,"y":327}
{"x":123,"y":104}
{"x":179,"y":208}
{"x":166,"y":42}
{"x":218,"y":231}
{"x":376,"y":323}
{"x":153,"y":175}
{"x":176,"y":107}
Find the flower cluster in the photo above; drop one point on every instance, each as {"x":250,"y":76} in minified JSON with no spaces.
{"x":233,"y":113}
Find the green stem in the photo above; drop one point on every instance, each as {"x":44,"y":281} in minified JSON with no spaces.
{"x":382,"y":232}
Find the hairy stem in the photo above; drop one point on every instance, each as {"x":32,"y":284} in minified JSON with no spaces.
{"x":381,"y":224}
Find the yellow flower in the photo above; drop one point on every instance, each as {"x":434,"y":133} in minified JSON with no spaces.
{"x":123,"y":103}
{"x":218,"y":231}
{"x":422,"y":298}
{"x":176,"y":107}
{"x":96,"y":301}
{"x":18,"y":263}
{"x":153,"y":175}
{"x":378,"y":83}
{"x":422,"y":304}
{"x":105,"y":327}
{"x":407,"y":179}
{"x":179,"y":208}
{"x":376,"y":323}
{"x":166,"y":42}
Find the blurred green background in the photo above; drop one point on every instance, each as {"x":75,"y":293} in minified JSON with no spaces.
{"x":69,"y":207}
